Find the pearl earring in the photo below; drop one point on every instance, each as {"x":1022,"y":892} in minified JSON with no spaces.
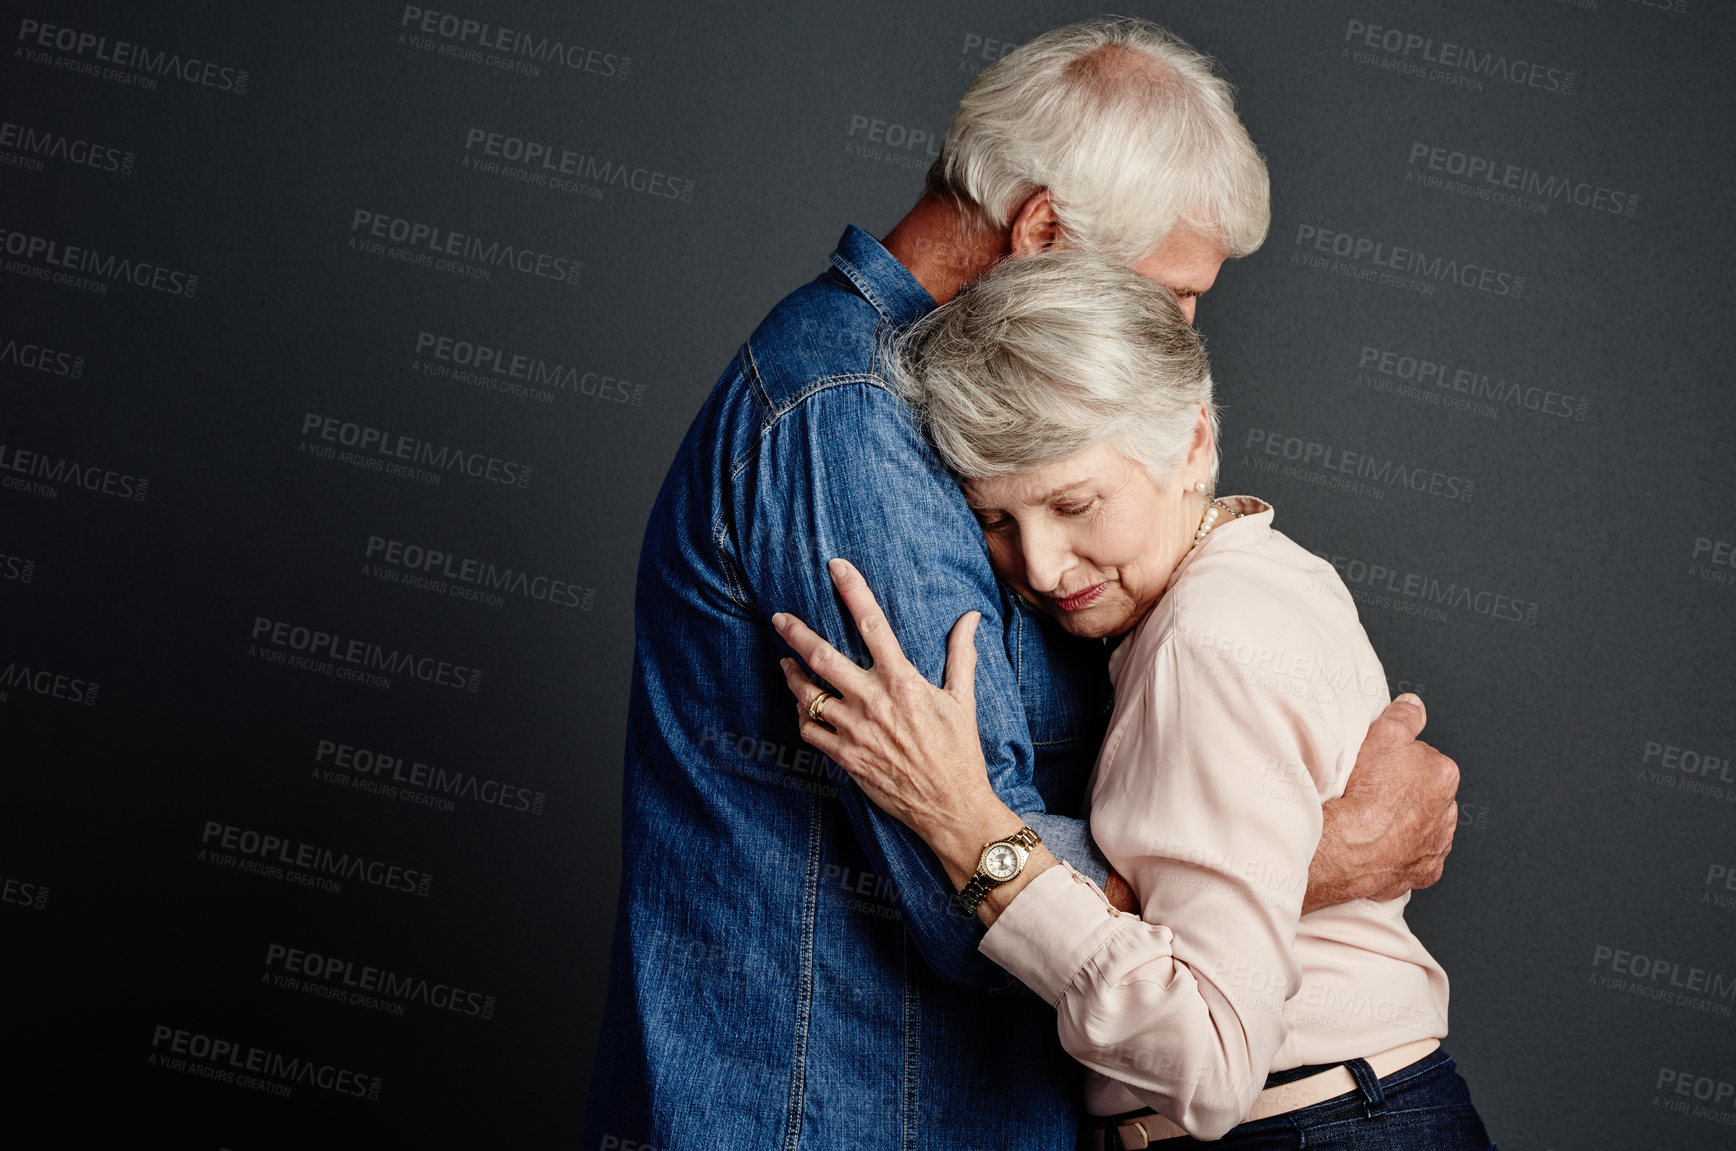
{"x":1199,"y":485}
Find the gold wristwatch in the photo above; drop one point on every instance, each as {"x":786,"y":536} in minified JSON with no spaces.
{"x":1000,"y":862}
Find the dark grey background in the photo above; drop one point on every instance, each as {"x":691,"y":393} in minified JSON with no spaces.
{"x":1605,"y":523}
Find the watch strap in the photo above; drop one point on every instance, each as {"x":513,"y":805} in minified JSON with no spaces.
{"x":970,"y":897}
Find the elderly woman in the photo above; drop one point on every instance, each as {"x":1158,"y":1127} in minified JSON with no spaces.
{"x":1074,"y":402}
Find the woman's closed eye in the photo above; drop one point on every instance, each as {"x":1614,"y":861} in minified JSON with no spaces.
{"x":992,"y":521}
{"x":1075,"y":509}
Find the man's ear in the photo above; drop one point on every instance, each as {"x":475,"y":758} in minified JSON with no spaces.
{"x":1035,"y":226}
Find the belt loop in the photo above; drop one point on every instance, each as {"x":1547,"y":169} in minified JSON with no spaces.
{"x":1369,"y":1083}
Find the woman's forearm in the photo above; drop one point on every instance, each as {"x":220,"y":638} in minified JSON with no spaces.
{"x":957,"y":838}
{"x":1143,"y":1007}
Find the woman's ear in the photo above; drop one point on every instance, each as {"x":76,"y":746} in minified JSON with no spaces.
{"x":1203,"y":451}
{"x":1035,"y":226}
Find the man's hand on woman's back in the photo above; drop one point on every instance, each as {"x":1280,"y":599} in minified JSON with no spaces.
{"x":1391,"y":830}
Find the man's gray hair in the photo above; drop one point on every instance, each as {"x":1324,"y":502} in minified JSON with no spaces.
{"x":1131,"y":131}
{"x":1050,"y":354}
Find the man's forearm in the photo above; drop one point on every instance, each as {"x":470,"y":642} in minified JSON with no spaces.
{"x":1390,"y":831}
{"x":1372,"y":850}
{"x":1343,"y":869}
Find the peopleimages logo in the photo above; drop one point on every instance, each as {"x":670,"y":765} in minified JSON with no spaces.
{"x":412,"y":781}
{"x":467,"y":578}
{"x":1720,"y":875}
{"x":553,"y":165}
{"x":363,"y":985}
{"x":77,"y":267}
{"x":1378,"y":254}
{"x":126,"y":63}
{"x":1405,"y":374}
{"x":46,"y":473}
{"x":1410,"y":53}
{"x":380,"y":450}
{"x":1299,"y":674}
{"x":1389,"y":586}
{"x":515,"y":51}
{"x":226,"y":845}
{"x":39,"y":358}
{"x":1703,"y":1096}
{"x":1713,"y":561}
{"x":41,"y":681}
{"x":23,"y":894}
{"x":1486,"y":177}
{"x":427,"y":245}
{"x":892,"y":143}
{"x":16,"y":569}
{"x":22,"y":146}
{"x":1663,"y":980}
{"x":980,"y":51}
{"x":1334,"y":463}
{"x":311,"y":649}
{"x":244,"y":1065}
{"x":514,"y":373}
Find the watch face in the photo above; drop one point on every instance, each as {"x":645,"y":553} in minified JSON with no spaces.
{"x":1001,"y":861}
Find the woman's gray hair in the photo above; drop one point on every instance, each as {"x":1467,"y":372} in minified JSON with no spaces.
{"x":1050,"y":354}
{"x":1131,"y":130}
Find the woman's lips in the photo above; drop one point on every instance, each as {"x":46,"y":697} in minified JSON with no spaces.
{"x":1079,"y":601}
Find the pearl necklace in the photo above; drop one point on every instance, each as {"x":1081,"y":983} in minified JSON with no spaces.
{"x":1211,"y":519}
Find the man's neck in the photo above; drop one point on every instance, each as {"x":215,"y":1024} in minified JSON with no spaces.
{"x":942,"y":248}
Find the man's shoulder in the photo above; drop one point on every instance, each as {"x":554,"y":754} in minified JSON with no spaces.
{"x":823,"y":332}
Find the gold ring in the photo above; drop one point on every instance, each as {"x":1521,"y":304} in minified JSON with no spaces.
{"x":819,"y":705}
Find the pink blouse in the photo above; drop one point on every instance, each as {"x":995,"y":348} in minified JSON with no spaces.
{"x":1240,"y":704}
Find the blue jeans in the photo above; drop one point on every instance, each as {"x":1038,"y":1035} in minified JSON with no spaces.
{"x":1423,"y":1107}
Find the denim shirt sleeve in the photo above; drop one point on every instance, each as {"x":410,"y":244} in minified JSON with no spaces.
{"x":844,"y":471}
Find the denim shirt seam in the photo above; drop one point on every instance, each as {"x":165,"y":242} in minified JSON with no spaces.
{"x":721,"y":539}
{"x":861,"y":283}
{"x":751,"y":366}
{"x":726,"y":564}
{"x":911,"y":1097}
{"x":815,"y":387}
{"x":776,"y":414}
{"x":805,"y":978}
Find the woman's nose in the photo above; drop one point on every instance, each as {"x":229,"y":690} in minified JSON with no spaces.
{"x":1046,"y":560}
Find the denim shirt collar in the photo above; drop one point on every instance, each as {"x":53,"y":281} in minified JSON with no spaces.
{"x":884,"y":282}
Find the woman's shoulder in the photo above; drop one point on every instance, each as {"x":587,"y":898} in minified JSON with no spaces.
{"x":1259,"y":582}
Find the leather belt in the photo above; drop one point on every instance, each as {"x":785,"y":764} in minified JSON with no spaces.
{"x":1139,"y":1131}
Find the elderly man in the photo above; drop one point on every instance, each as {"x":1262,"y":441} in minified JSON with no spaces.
{"x":790,"y":969}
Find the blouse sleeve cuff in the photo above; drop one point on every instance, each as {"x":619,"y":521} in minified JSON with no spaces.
{"x":1050,"y":930}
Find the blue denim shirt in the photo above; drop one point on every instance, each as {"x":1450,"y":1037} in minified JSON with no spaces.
{"x":786,"y":972}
